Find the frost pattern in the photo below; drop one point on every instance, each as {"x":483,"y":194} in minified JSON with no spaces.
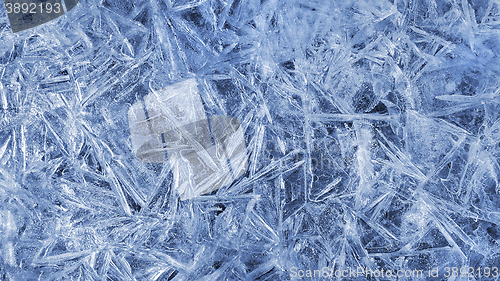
{"x":372,"y":129}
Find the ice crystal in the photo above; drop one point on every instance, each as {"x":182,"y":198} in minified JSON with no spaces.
{"x":370,"y":129}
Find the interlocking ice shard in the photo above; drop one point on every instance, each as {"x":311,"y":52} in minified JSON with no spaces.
{"x":171,"y":126}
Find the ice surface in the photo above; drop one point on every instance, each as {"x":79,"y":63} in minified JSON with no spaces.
{"x":370,"y":132}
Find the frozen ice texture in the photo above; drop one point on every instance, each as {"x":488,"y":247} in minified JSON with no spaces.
{"x":176,"y":128}
{"x":371,"y":129}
